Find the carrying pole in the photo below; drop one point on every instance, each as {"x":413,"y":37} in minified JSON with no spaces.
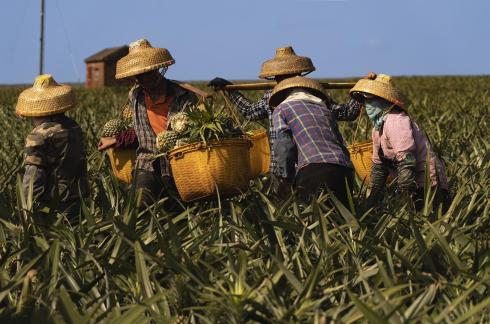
{"x":272,"y":84}
{"x":41,"y":49}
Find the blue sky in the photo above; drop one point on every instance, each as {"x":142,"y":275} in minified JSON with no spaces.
{"x":231,"y":38}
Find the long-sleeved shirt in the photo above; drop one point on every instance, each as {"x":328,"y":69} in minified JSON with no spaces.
{"x":55,"y":161}
{"x":260,"y":110}
{"x":146,"y":137}
{"x":255,"y":111}
{"x":400,"y":135}
{"x":311,"y":129}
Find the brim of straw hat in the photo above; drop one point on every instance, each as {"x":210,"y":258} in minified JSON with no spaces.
{"x":46,"y":102}
{"x":142,"y":61}
{"x":281,"y":90}
{"x":379,"y":89}
{"x":286,"y":65}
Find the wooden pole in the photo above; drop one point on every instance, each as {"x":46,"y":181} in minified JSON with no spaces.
{"x":41,"y":50}
{"x":270,"y":85}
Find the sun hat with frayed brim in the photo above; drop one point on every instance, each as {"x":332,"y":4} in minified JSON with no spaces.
{"x":286,"y":62}
{"x":45,"y":98}
{"x":382,"y":86}
{"x":142,"y":57}
{"x":280,"y":91}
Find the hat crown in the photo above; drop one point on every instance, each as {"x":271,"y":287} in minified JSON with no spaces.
{"x":139,"y":44}
{"x":384,"y":78}
{"x":44,"y":81}
{"x":285,"y":51}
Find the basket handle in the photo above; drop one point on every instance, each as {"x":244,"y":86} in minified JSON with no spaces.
{"x":228,"y":106}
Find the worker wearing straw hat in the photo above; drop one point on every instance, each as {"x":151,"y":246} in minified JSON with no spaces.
{"x":399,"y":145}
{"x":153,"y":100}
{"x":55,"y":162}
{"x":309,"y":150}
{"x":284,"y":65}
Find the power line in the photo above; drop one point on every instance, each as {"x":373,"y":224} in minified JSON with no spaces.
{"x":68,"y":43}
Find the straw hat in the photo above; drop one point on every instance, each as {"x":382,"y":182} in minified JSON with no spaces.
{"x":286,"y":62}
{"x":45,"y":98}
{"x":280,"y":92}
{"x":382,"y":86}
{"x":142,"y":57}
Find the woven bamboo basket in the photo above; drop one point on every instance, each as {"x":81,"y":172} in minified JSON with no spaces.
{"x":122,"y":162}
{"x":204,"y":171}
{"x":260,"y":153}
{"x":360,"y":155}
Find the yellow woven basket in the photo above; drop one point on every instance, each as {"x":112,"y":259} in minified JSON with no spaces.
{"x":360,"y":155}
{"x":122,"y":162}
{"x":260,"y":153}
{"x":203,"y":171}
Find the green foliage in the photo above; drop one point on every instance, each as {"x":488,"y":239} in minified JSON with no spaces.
{"x":209,"y":123}
{"x":251,"y":258}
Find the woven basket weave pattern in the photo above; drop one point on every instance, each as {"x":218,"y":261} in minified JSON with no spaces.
{"x":122,"y":163}
{"x":286,"y":62}
{"x":142,"y":58}
{"x":260,"y":153}
{"x":360,"y":155}
{"x":202,"y":172}
{"x":384,"y":90}
{"x":279,"y":92}
{"x":45,"y":98}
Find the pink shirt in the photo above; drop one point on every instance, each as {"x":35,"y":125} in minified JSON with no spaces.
{"x":400,"y":135}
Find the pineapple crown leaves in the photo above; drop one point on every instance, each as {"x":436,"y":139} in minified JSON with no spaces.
{"x":206,"y":124}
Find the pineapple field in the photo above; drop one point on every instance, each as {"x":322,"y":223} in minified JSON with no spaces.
{"x":252,"y":259}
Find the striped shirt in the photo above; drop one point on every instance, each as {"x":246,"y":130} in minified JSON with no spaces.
{"x":313,"y":129}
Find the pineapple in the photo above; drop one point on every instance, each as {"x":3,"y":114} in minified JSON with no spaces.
{"x":182,"y":141}
{"x":179,"y":122}
{"x":166,"y":140}
{"x":126,"y":114}
{"x":113,"y":127}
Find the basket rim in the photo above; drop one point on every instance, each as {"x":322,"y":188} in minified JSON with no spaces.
{"x":257,"y":133}
{"x":210,"y":144}
{"x":362,"y":143}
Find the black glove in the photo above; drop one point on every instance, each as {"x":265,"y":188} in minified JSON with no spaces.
{"x":379,"y":174}
{"x":406,"y":173}
{"x":218,"y":83}
{"x":358,"y":96}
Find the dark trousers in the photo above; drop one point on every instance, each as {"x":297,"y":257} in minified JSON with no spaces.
{"x":441,"y":198}
{"x":316,"y":177}
{"x":154,"y":186}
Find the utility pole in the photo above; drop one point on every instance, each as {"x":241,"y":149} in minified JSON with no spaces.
{"x":41,"y":52}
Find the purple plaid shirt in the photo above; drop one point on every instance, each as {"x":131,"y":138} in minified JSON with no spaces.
{"x":307,"y":132}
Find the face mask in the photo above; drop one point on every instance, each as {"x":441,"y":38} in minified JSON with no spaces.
{"x":376,"y":109}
